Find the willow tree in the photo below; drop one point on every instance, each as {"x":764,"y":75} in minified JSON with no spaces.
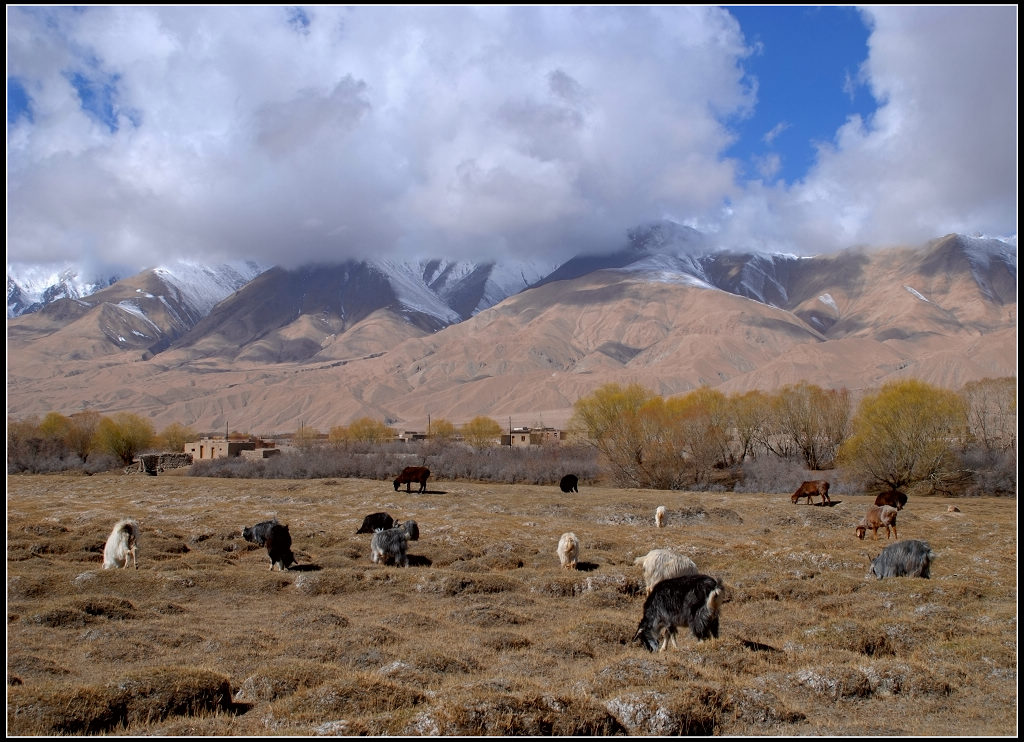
{"x":906,"y":434}
{"x":610,"y":419}
{"x":124,"y":435}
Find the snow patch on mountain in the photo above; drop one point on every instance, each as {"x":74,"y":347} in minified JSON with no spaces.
{"x":406,"y":280}
{"x":916,"y":293}
{"x":828,"y":301}
{"x":202,"y":287}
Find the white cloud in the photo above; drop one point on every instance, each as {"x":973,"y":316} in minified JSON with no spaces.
{"x":458,"y":130}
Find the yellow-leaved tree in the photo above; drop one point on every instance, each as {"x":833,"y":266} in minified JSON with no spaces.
{"x":124,"y":435}
{"x":906,"y":434}
{"x":481,"y":432}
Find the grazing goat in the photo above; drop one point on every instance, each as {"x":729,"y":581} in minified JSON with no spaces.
{"x":952,"y":509}
{"x":376,"y":522}
{"x":878,"y":517}
{"x":895,"y":498}
{"x":279,"y":547}
{"x":412,"y":474}
{"x":121,"y":544}
{"x":663,"y":564}
{"x":257,"y":534}
{"x":659,"y":516}
{"x":810,"y":489}
{"x":569,"y":483}
{"x":569,"y":550}
{"x":690,"y":600}
{"x":903,"y":559}
{"x":412,"y":530}
{"x":388,"y":547}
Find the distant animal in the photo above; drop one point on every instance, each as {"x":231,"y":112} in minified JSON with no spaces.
{"x":569,"y":483}
{"x":257,"y":534}
{"x":279,"y":547}
{"x":903,"y":559}
{"x":569,"y":550}
{"x":376,"y":522}
{"x":952,"y":509}
{"x":659,"y":516}
{"x":412,"y":474}
{"x":663,"y":564}
{"x":389,"y":547}
{"x":810,"y":489}
{"x":690,"y":600}
{"x":121,"y":544}
{"x":893,"y":497}
{"x":878,"y":517}
{"x":412,"y":530}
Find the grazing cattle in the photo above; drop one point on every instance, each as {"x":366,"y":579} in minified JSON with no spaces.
{"x":569,"y":483}
{"x":663,"y":564}
{"x":279,"y":547}
{"x":569,"y":550}
{"x":388,"y":547}
{"x":690,"y":600}
{"x":903,"y":559}
{"x":376,"y":522}
{"x":121,"y":544}
{"x":895,"y":498}
{"x":878,"y":517}
{"x":257,"y":534}
{"x":659,"y":516}
{"x":810,"y":489}
{"x":412,"y":474}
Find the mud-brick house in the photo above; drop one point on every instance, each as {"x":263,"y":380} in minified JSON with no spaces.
{"x":525,"y":436}
{"x":206,"y":449}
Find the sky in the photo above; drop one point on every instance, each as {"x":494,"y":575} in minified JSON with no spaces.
{"x":292,"y":135}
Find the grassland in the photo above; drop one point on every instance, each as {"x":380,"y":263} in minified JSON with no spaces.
{"x":485,"y":634}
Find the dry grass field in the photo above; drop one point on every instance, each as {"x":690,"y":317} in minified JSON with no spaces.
{"x":484,"y":633}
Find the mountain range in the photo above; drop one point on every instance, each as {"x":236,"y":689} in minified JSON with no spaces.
{"x":266,"y":350}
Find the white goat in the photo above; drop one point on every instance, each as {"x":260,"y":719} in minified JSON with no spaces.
{"x":121,"y":544}
{"x":878,"y":517}
{"x":662,"y":564}
{"x":569,"y":550}
{"x":389,"y":547}
{"x":659,"y":516}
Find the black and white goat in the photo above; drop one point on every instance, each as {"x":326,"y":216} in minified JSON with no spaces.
{"x":690,"y":600}
{"x":257,"y":534}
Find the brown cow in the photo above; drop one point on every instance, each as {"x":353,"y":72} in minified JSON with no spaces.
{"x":810,"y":489}
{"x":412,"y":474}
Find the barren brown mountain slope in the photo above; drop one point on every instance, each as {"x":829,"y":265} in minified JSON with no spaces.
{"x":854,"y":321}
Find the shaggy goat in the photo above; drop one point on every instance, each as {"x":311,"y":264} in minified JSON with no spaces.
{"x":257,"y":534}
{"x":659,"y":516}
{"x":279,"y":547}
{"x":690,"y":600}
{"x":569,"y":483}
{"x":412,"y":530}
{"x":388,"y":547}
{"x":121,"y":544}
{"x":903,"y":559}
{"x":376,"y":522}
{"x":895,"y":498}
{"x":878,"y":517}
{"x":663,"y":564}
{"x":568,"y":550}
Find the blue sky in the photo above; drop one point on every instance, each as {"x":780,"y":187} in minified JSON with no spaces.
{"x":288,"y":135}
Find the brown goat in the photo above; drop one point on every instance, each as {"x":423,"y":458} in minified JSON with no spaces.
{"x":810,"y":489}
{"x":413,"y":474}
{"x":878,"y":517}
{"x":893,"y":497}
